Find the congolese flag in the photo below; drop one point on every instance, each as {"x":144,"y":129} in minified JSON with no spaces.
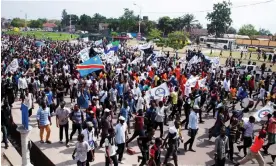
{"x":91,"y":65}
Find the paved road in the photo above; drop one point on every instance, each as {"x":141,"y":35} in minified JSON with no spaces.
{"x":61,"y":155}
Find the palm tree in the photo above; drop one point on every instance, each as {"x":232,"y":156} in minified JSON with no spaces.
{"x":189,"y":22}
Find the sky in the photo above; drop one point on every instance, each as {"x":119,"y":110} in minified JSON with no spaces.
{"x":260,"y":15}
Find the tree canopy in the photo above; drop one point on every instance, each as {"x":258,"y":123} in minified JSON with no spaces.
{"x":219,"y":18}
{"x":248,"y":30}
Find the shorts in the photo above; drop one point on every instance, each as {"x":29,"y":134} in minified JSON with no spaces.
{"x":271,"y":138}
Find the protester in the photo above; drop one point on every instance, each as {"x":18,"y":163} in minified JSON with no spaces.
{"x":77,"y":118}
{"x":44,"y":122}
{"x":221,"y":147}
{"x":255,"y":150}
{"x":89,"y":137}
{"x":62,"y":121}
{"x":120,"y":137}
{"x":110,"y":148}
{"x":81,"y":151}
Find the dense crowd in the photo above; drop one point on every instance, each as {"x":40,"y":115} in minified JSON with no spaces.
{"x":47,"y":75}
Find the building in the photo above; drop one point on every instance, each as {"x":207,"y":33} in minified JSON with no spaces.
{"x":195,"y":32}
{"x":49,"y":26}
{"x":103,"y":26}
{"x":5,"y":23}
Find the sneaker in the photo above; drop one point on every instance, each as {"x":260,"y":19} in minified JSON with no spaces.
{"x":61,"y":142}
{"x":121,"y":162}
{"x":6,"y":146}
{"x":192,"y":150}
{"x":48,"y":142}
{"x":42,"y":142}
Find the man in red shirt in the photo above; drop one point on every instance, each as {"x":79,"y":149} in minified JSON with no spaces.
{"x":255,"y":150}
{"x":271,"y":132}
{"x":155,"y":153}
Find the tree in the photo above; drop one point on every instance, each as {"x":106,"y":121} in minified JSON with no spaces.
{"x":165,"y":24}
{"x":128,"y":21}
{"x":35,"y":24}
{"x":85,"y":22}
{"x":219,"y":18}
{"x":147,"y":26}
{"x":17,"y":22}
{"x":114,"y":24}
{"x":198,"y":26}
{"x":248,"y":30}
{"x":263,"y":31}
{"x":189,"y":22}
{"x":63,"y":18}
{"x":231,"y":30}
{"x":177,"y":40}
{"x":154,"y":34}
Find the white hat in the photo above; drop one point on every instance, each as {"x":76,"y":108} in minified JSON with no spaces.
{"x":196,"y":107}
{"x":89,"y":124}
{"x":122,"y":118}
{"x":172,"y":130}
{"x":106,"y":110}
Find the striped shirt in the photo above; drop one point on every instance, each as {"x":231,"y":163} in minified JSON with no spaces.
{"x":43,"y":116}
{"x":77,"y":116}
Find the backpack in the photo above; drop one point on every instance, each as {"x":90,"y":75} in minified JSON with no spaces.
{"x":72,"y":114}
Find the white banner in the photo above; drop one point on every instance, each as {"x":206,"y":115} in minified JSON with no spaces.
{"x":192,"y":81}
{"x":145,"y":46}
{"x":13,"y":66}
{"x":202,"y":82}
{"x":263,"y":112}
{"x":160,"y":91}
{"x":84,"y":54}
{"x":214,"y":61}
{"x":98,"y":42}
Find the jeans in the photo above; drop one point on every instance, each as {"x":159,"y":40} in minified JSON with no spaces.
{"x":48,"y":131}
{"x":5,"y":134}
{"x":65,"y":127}
{"x":231,"y":147}
{"x":114,"y":160}
{"x":247,"y":142}
{"x":75,"y":127}
{"x":120,"y":151}
{"x":191,"y":140}
{"x":171,"y":150}
{"x":161,"y":125}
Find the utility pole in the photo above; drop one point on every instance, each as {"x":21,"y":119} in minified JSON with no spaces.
{"x":25,"y":20}
{"x":70,"y":24}
{"x":139,"y":30}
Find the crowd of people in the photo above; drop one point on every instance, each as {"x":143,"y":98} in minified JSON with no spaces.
{"x":104,"y":103}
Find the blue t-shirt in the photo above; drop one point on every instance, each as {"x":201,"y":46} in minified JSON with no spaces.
{"x":49,"y":97}
{"x":124,"y":113}
{"x":43,"y":116}
{"x":120,"y":88}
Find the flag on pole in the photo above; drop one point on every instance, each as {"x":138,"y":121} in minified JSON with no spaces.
{"x":89,"y":66}
{"x":160,"y":91}
{"x":84,"y":54}
{"x":116,"y":48}
{"x":13,"y":66}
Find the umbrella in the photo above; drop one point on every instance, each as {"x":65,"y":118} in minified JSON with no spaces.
{"x":39,"y":43}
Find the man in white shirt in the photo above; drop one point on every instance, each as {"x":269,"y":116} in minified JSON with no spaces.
{"x":22,"y":85}
{"x":120,"y":137}
{"x":193,"y":128}
{"x":226,"y":85}
{"x":110,"y":148}
{"x":89,"y":137}
{"x":261,"y":97}
{"x":159,"y":118}
{"x":140,"y":103}
{"x":62,"y":121}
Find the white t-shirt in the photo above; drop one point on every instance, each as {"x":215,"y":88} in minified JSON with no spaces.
{"x":120,"y":130}
{"x":262,"y":93}
{"x":88,"y":83}
{"x":140,"y":103}
{"x":111,"y":148}
{"x":81,"y":151}
{"x":89,"y":137}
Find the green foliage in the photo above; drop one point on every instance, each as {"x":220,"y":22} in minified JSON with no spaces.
{"x":114,"y":34}
{"x":45,"y":35}
{"x":263,"y":31}
{"x":248,"y":30}
{"x":17,"y":22}
{"x":219,"y":18}
{"x":177,"y":40}
{"x":231,"y":30}
{"x":128,"y":21}
{"x":154,"y":34}
{"x":165,"y":24}
{"x":85,"y":22}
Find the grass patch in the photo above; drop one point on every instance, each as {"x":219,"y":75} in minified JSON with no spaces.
{"x":45,"y":35}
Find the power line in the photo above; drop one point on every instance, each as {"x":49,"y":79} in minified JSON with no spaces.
{"x":203,"y":11}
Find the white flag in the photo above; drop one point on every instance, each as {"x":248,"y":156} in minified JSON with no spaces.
{"x":202,"y":82}
{"x":84,"y":54}
{"x":263,"y":112}
{"x":192,"y":81}
{"x":160,"y":91}
{"x":13,"y":66}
